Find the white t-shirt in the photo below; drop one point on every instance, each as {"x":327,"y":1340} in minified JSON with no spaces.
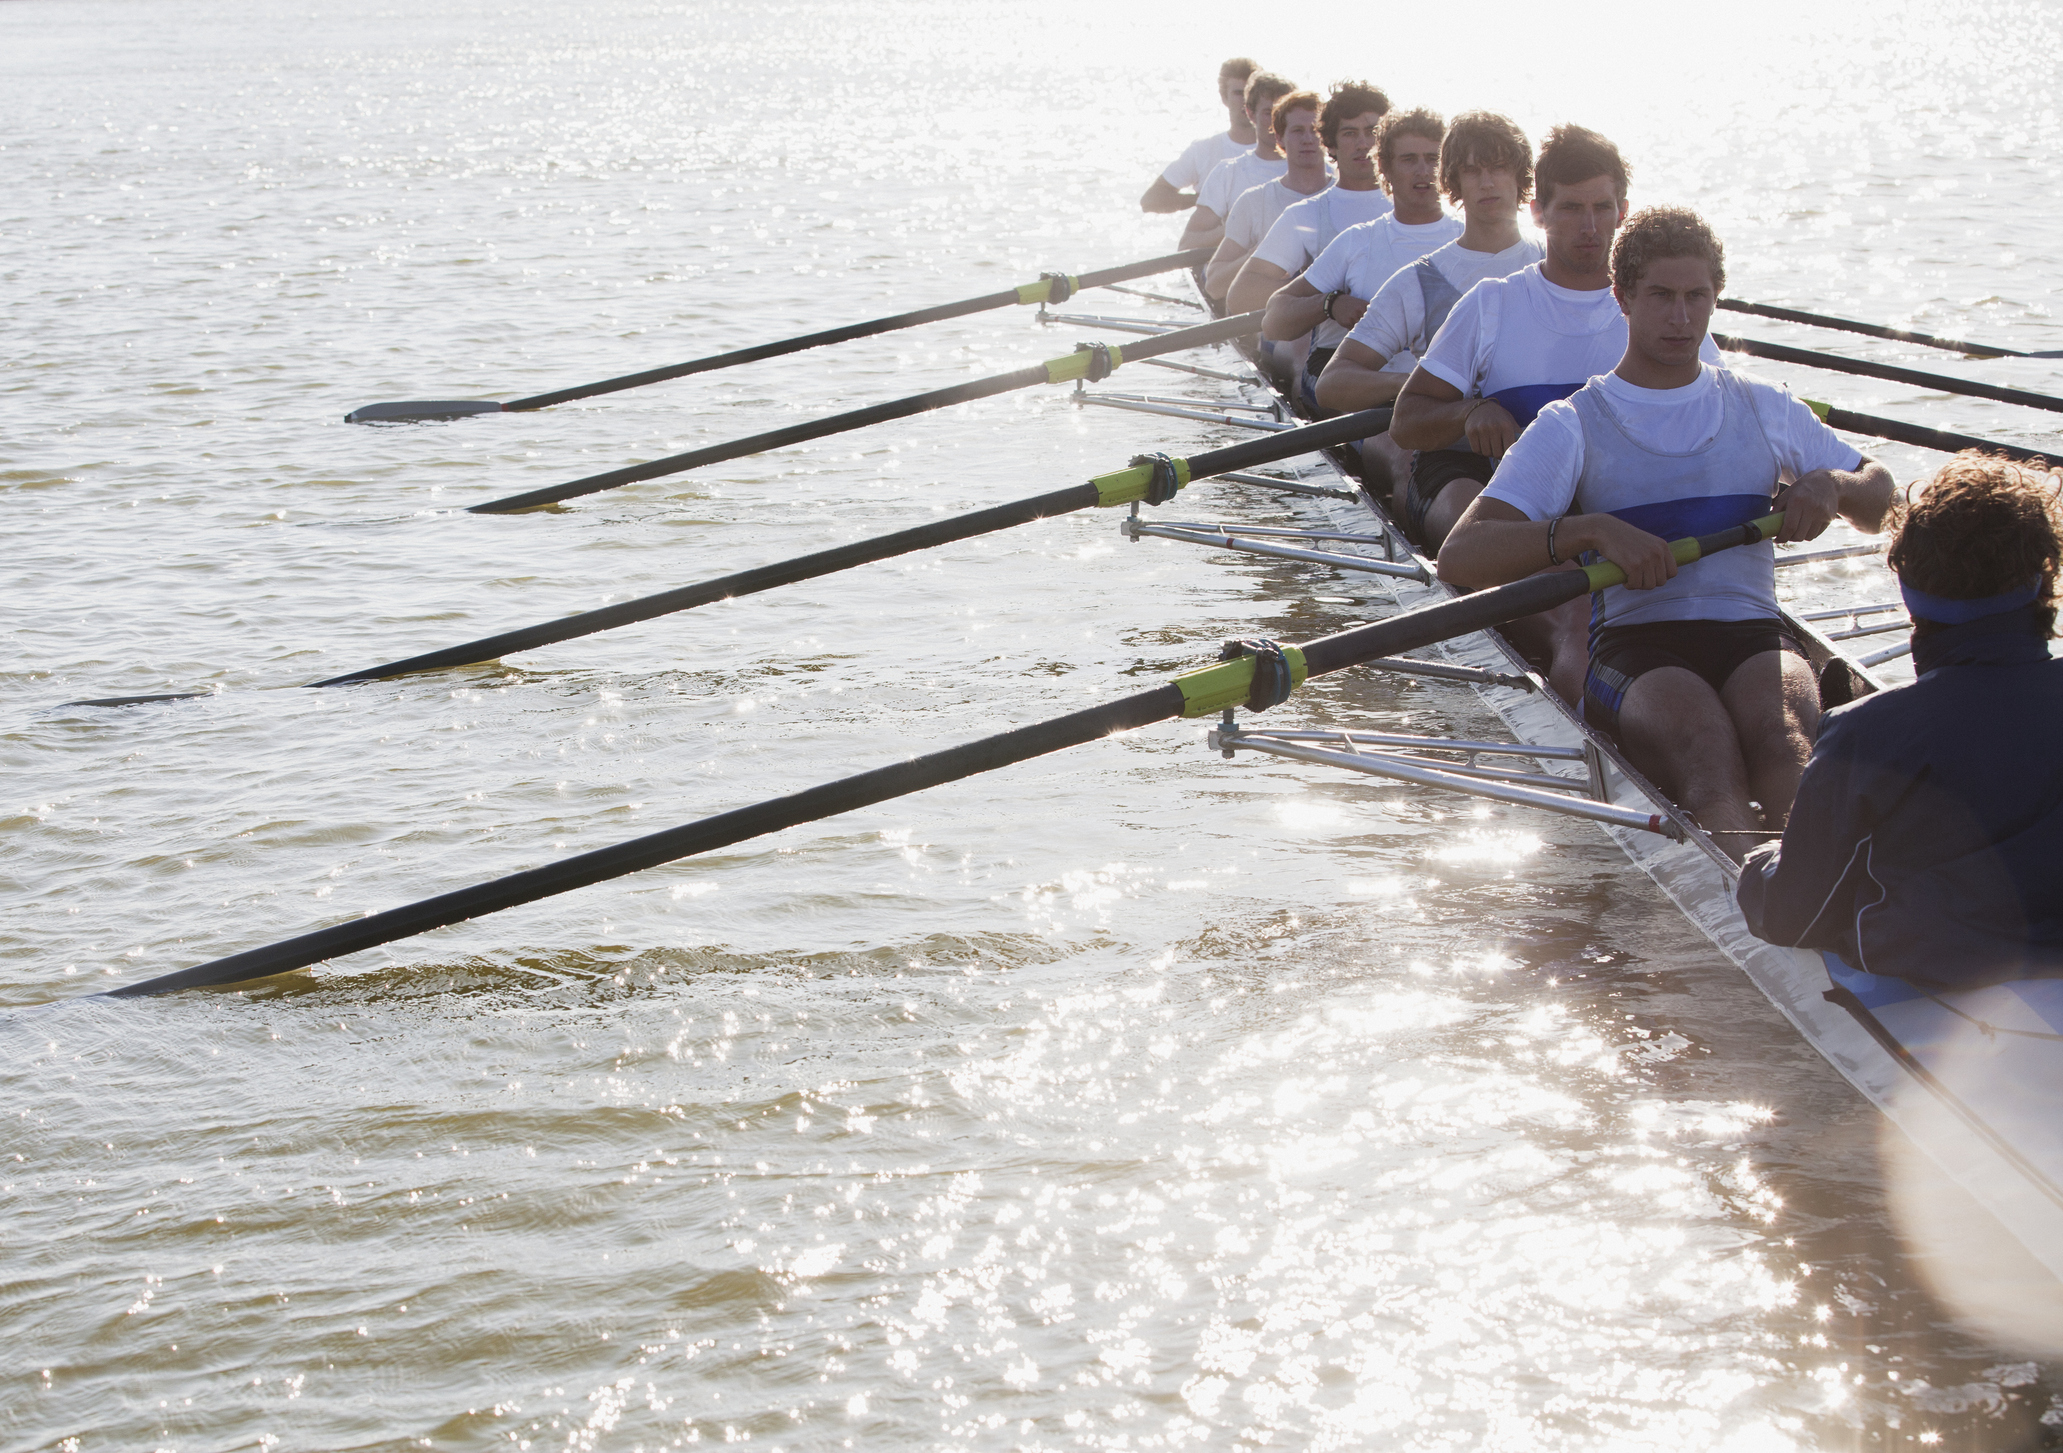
{"x":1394,"y":324}
{"x":1364,"y":257}
{"x":1195,"y":163}
{"x":1542,"y":478}
{"x":1306,"y":227}
{"x":1225,"y":181}
{"x":1256,"y":210}
{"x":1525,"y":341}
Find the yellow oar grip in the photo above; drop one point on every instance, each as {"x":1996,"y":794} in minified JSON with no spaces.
{"x":1042,"y":290}
{"x":1605,"y":573}
{"x":1230,"y":683}
{"x":1072,"y":366}
{"x":1123,"y":486}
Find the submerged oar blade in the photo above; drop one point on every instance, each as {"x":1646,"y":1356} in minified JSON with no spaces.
{"x":418,"y":411}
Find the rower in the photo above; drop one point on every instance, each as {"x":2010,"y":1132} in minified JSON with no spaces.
{"x":1295,"y":120}
{"x":1485,"y":165}
{"x":1174,"y":190}
{"x":1223,"y":183}
{"x":1695,"y":674}
{"x":1334,"y":290}
{"x":1927,"y":838}
{"x":1347,"y":125}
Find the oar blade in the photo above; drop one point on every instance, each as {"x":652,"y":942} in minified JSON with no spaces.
{"x":419,"y":411}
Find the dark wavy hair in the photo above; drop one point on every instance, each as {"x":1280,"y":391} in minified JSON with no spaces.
{"x":1268,"y":84}
{"x":1484,"y":139}
{"x":1416,"y":122}
{"x":1983,"y":525}
{"x":1574,"y":154}
{"x":1654,"y":233}
{"x":1348,"y":98}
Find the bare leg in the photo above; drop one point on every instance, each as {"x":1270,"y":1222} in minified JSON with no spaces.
{"x":1773,"y":699}
{"x":1454,"y":497}
{"x":1386,"y":467}
{"x":1677,"y":730}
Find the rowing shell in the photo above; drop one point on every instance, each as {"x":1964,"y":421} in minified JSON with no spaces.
{"x":1965,"y":1076}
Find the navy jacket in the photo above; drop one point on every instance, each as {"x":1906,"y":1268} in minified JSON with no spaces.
{"x":1927,"y":839}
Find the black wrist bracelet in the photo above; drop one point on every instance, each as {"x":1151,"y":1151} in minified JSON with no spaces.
{"x":1552,"y":558}
{"x":1331,"y":298}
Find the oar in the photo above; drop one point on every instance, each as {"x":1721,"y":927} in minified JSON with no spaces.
{"x":1120,"y":487}
{"x":1091,"y":362}
{"x":1198,"y":693}
{"x":1877,"y":330}
{"x":1940,"y":439}
{"x":1051,"y":287}
{"x":1834,"y":363}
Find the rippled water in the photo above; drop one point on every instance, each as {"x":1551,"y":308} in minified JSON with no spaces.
{"x":1123,"y":1099}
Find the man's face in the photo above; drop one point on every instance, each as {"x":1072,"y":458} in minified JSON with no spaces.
{"x":1413,"y":171}
{"x":1489,"y":191}
{"x":1669,"y":309}
{"x":1300,"y":141}
{"x":1579,"y":222}
{"x":1232,"y":92}
{"x":1356,"y":146}
{"x":1262,"y":114}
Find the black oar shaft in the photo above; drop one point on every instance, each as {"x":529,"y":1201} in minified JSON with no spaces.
{"x":1173,"y":261}
{"x":1940,"y":383}
{"x":1872,"y":330}
{"x":1264,"y":450}
{"x":1215,"y":332}
{"x":702,"y":836}
{"x":1188,"y":696}
{"x":1941,"y":439}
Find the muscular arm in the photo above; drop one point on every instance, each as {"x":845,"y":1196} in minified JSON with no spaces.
{"x":1223,"y":267}
{"x":1163,"y":196}
{"x":1432,"y":414}
{"x":1494,"y":543}
{"x":1355,"y":379}
{"x":1255,"y":283}
{"x":1204,"y":229}
{"x":1296,"y":309}
{"x":1860,"y":496}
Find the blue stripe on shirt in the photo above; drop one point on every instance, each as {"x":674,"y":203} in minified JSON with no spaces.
{"x":1673,"y":519}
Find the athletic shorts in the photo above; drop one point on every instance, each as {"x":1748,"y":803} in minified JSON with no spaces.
{"x":1431,"y":471}
{"x":1308,"y":384}
{"x":1621,"y":655}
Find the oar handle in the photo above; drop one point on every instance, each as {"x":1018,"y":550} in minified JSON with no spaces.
{"x":1604,"y":575}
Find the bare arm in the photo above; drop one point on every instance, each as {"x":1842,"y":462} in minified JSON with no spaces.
{"x":1255,"y":284}
{"x":1296,"y":309}
{"x":1223,"y":267}
{"x":1493,"y":543}
{"x":1860,"y":496}
{"x":1204,"y":229}
{"x":1163,"y":196}
{"x":1355,"y":379}
{"x":1432,"y":414}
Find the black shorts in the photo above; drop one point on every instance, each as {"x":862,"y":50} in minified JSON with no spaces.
{"x":1713,"y":650}
{"x":1431,"y":471}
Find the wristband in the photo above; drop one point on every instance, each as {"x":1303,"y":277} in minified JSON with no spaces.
{"x":1552,"y":558}
{"x":1331,"y":298}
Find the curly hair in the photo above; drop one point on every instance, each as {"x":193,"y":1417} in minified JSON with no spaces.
{"x":1983,"y":525}
{"x":1416,"y":122}
{"x":1348,"y":98}
{"x":1574,"y":154}
{"x":1484,"y":139}
{"x":1654,"y":233}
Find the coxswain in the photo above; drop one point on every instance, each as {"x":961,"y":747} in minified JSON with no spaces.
{"x":1926,"y":842}
{"x":1485,"y":167}
{"x":1347,"y":125}
{"x":1174,"y":190}
{"x":1225,"y":181}
{"x":1692,"y":672}
{"x":1295,"y":122}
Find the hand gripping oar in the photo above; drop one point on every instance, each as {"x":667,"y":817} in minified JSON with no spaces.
{"x":1877,"y":330}
{"x":1051,"y":287}
{"x":1090,"y":361}
{"x":1151,"y":480}
{"x":1834,"y":363}
{"x":1255,"y":681}
{"x":1940,"y":439}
